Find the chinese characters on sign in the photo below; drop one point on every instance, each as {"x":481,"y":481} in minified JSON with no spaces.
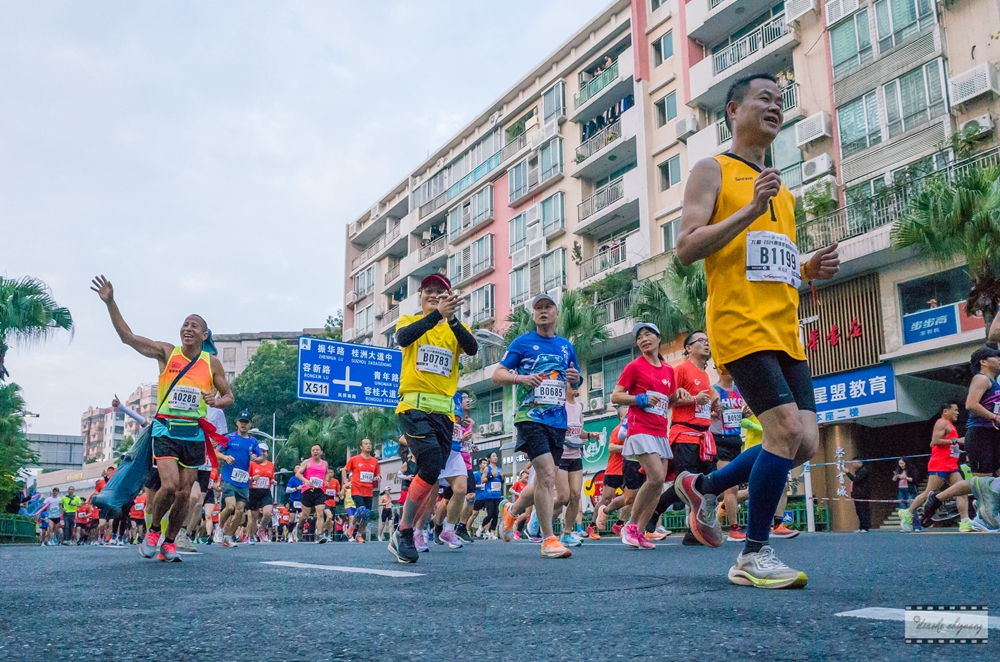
{"x":931,"y":323}
{"x":853,"y":394}
{"x":841,"y":472}
{"x":333,"y":371}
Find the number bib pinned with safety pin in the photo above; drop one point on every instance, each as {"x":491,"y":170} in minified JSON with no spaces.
{"x":772,"y":257}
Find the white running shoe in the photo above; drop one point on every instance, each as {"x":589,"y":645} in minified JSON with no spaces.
{"x":763,"y":570}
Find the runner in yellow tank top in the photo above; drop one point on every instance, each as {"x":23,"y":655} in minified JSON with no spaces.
{"x":740,"y":219}
{"x":178,"y":442}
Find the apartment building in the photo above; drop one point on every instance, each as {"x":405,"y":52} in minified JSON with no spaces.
{"x":101,"y":428}
{"x":236,"y":349}
{"x":142,"y":401}
{"x":577,"y":173}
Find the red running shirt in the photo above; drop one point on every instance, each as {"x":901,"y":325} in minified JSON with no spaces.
{"x":363,"y":472}
{"x":640,"y":376}
{"x":942,"y":457}
{"x":614,"y":467}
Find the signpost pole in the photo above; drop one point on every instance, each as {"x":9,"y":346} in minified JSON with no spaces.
{"x":810,"y":511}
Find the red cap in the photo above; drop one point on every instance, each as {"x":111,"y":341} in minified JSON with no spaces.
{"x":435,"y":279}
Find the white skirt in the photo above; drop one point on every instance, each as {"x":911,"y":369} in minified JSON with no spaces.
{"x":640,"y":444}
{"x":454,"y":467}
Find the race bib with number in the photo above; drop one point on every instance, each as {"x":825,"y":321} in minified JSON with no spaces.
{"x":772,"y":257}
{"x":239,"y":476}
{"x":139,"y":507}
{"x":297,"y":504}
{"x":574,"y":436}
{"x":551,"y":392}
{"x":331,"y":493}
{"x":316,"y":482}
{"x":955,"y":451}
{"x":184,"y":398}
{"x":456,"y":433}
{"x":731,"y":418}
{"x":367,"y":476}
{"x":660,"y":409}
{"x":703,"y":411}
{"x":494,"y":487}
{"x":261,"y":482}
{"x":436,"y":360}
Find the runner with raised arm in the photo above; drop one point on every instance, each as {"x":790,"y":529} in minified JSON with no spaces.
{"x":189,"y":379}
{"x":740,"y":219}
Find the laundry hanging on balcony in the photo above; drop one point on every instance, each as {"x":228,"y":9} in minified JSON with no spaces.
{"x":609,"y":116}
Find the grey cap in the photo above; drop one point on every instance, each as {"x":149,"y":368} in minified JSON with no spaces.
{"x":542,"y":297}
{"x":264,"y":447}
{"x":645,"y":325}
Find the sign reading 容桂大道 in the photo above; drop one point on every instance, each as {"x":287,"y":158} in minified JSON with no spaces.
{"x":864,"y":392}
{"x":348,"y":373}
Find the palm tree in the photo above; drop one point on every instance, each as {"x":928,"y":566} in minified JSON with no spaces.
{"x":960,"y":216}
{"x":582,"y":325}
{"x":304,"y":434}
{"x":28,"y":314}
{"x":676,"y":303}
{"x":519,"y":322}
{"x":15,"y":453}
{"x":377,"y":425}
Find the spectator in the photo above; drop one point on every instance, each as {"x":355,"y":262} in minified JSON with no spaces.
{"x":860,"y":492}
{"x":904,"y":481}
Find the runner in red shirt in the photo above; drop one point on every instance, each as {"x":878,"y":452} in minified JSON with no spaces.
{"x":261,"y":501}
{"x":332,"y":494}
{"x":285,"y":521}
{"x":364,"y":475}
{"x":138,"y":516}
{"x":613,"y":480}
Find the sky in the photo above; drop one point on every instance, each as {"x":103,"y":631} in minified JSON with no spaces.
{"x":206,"y":157}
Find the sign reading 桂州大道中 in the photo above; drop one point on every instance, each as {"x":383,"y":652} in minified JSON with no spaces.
{"x":348,"y":373}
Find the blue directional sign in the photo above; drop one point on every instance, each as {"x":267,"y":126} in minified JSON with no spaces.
{"x":348,"y":373}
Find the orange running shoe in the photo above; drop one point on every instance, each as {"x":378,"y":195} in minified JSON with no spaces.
{"x":553,"y":549}
{"x":508,"y":521}
{"x":782,"y":531}
{"x":655,"y":535}
{"x":735,"y":535}
{"x":602,"y":518}
{"x":592,"y":533}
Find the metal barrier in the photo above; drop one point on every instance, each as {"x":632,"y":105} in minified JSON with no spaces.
{"x":16,"y":529}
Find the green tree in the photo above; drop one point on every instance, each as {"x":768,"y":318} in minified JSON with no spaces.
{"x":959,"y":216}
{"x":15,"y":453}
{"x":676,"y":303}
{"x":582,"y":325}
{"x":334,"y":327}
{"x":28,"y":314}
{"x":269,"y":386}
{"x":306,"y":433}
{"x":122,"y":447}
{"x":519,"y":322}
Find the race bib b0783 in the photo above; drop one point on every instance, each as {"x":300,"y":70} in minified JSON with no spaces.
{"x":435,"y":360}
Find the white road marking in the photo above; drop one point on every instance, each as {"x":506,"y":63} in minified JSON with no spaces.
{"x":887,"y":614}
{"x":191,"y":553}
{"x":342,"y":568}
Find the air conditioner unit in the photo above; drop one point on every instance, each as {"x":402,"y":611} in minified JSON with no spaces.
{"x":839,"y":9}
{"x":496,"y":408}
{"x":484,"y":428}
{"x":375,"y":211}
{"x":494,"y":118}
{"x":596,"y":381}
{"x":379,"y":313}
{"x":971,"y":83}
{"x":979,"y":125}
{"x":534,"y":232}
{"x":355,"y":228}
{"x":813,"y":128}
{"x":349,"y":334}
{"x":813,"y":168}
{"x":686,"y":127}
{"x":531,"y":122}
{"x":531,"y":215}
{"x":519,"y":258}
{"x":536,"y":248}
{"x":827,"y":182}
{"x":796,"y":9}
{"x":496,"y":427}
{"x":596,"y":404}
{"x":352,"y":296}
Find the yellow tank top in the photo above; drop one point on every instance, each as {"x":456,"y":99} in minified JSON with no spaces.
{"x":746,"y":316}
{"x":430,"y":365}
{"x":185,"y":400}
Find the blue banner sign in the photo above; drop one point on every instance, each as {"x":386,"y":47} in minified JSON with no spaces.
{"x":864,"y":392}
{"x":931,"y":323}
{"x":348,"y":373}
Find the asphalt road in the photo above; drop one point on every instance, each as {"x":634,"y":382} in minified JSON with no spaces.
{"x":490,"y":601}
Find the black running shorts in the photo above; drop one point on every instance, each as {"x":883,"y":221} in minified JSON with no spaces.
{"x":313,"y":498}
{"x":259,"y":498}
{"x":189,"y":454}
{"x":203,"y":477}
{"x":536,"y":439}
{"x":727,"y":446}
{"x":770,"y":379}
{"x":687,"y":457}
{"x":613,"y":481}
{"x":982,"y":446}
{"x":427,"y":432}
{"x":631,"y":475}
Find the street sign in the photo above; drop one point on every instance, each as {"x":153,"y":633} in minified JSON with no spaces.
{"x":348,"y":373}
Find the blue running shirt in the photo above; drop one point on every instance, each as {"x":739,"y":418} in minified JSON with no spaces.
{"x":531,"y":354}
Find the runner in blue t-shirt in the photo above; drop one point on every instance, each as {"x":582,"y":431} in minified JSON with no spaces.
{"x":540,"y":363}
{"x":236,"y":453}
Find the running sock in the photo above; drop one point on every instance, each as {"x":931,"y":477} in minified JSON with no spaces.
{"x":766,"y":483}
{"x":667,"y":499}
{"x":155,"y":528}
{"x":735,"y":473}
{"x":752,"y":546}
{"x":776,"y":522}
{"x":419,"y":489}
{"x":167,"y":541}
{"x":447,"y":526}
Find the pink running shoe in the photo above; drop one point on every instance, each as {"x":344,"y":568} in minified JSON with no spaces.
{"x":631,"y":536}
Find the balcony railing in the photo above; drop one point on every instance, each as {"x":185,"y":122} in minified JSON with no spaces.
{"x":714,"y":3}
{"x":601,"y":139}
{"x":603,"y":261}
{"x":887,"y":207}
{"x":392,"y":274}
{"x":595,"y":85}
{"x":391,"y":316}
{"x":486,"y":356}
{"x":470,"y":271}
{"x":789,"y":100}
{"x":752,"y":43}
{"x":483,"y":169}
{"x":379,"y":244}
{"x":722,"y":132}
{"x":792,"y":176}
{"x":606,"y":195}
{"x":432,"y":248}
{"x":615,"y":309}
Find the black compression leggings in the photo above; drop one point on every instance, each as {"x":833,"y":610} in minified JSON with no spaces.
{"x":492,"y":510}
{"x":120,"y":525}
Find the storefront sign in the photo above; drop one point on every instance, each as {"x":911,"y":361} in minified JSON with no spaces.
{"x":864,"y":392}
{"x":595,"y":452}
{"x":939,"y":322}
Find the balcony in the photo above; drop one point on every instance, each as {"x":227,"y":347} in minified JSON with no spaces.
{"x":392,"y":274}
{"x":767,"y":49}
{"x":469,"y":271}
{"x":598,"y":93}
{"x":433,"y":248}
{"x":711,"y":21}
{"x":614,"y":259}
{"x":716,"y":138}
{"x":498,"y":158}
{"x":612,"y":147}
{"x":390,"y":317}
{"x":612,"y":206}
{"x":536,"y":179}
{"x":387,"y":240}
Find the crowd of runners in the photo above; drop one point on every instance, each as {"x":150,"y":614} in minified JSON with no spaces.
{"x":682,"y":442}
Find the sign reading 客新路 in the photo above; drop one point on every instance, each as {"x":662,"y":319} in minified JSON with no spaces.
{"x":864,"y":392}
{"x":348,"y":373}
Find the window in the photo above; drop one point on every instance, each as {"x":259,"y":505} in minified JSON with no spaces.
{"x":364,"y":282}
{"x":863,"y":191}
{"x":663,"y":49}
{"x":482,"y":205}
{"x":656,"y":4}
{"x":363,"y":320}
{"x":612,"y":368}
{"x":666,"y":109}
{"x":482,"y":254}
{"x":670,"y":234}
{"x":554,"y":102}
{"x":228,"y":354}
{"x":550,"y":158}
{"x":517,"y":179}
{"x":936,"y":290}
{"x":554,"y":269}
{"x":250,"y":352}
{"x":913,"y":98}
{"x":553,"y":214}
{"x":518,"y":232}
{"x":859,"y":125}
{"x":481,"y":304}
{"x":670,"y":172}
{"x":519,"y":285}
{"x":898,"y":20}
{"x":851,"y":43}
